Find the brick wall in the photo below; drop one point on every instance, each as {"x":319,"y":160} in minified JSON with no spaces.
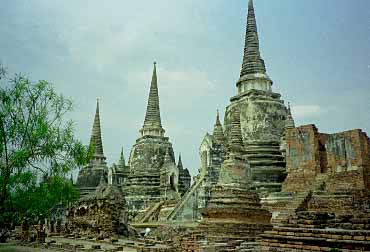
{"x":302,"y":157}
{"x":344,"y":156}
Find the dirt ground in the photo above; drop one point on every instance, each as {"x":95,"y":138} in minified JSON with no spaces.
{"x":11,"y":247}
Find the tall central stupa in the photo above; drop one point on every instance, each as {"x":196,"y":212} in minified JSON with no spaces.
{"x":262,"y":115}
{"x":153,"y":173}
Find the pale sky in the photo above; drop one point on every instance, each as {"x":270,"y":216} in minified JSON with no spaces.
{"x":316,"y":52}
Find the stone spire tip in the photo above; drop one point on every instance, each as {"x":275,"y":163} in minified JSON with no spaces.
{"x":152,"y":123}
{"x":252,"y":61}
{"x":218,"y":118}
{"x":122,"y":158}
{"x":218,"y":132}
{"x":97,"y":104}
{"x":96,"y":138}
{"x":289,"y":123}
{"x":179,"y":163}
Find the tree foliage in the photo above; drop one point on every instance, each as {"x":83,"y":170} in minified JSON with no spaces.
{"x":35,"y":140}
{"x":30,"y":198}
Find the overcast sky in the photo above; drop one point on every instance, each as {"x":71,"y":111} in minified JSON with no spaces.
{"x":316,"y":52}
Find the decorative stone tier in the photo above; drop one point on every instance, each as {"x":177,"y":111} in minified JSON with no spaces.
{"x":262,"y":119}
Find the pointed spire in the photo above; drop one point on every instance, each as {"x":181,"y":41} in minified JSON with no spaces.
{"x":152,"y":123}
{"x":253,"y":73}
{"x":252,"y":61}
{"x":218,"y":132}
{"x":96,"y":139}
{"x":122,"y":161}
{"x":289,"y":123}
{"x":218,"y":118}
{"x":236,"y":140}
{"x":179,"y":163}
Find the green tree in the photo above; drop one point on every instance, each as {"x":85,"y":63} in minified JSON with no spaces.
{"x":31,"y":199}
{"x":35,"y":138}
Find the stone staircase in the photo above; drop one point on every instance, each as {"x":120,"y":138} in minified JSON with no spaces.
{"x":248,"y":247}
{"x":308,"y":239}
{"x":149,"y":213}
{"x":288,"y":214}
{"x":299,"y":201}
{"x":320,"y":181}
{"x":185,"y":199}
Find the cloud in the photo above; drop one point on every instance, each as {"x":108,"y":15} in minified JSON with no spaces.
{"x":106,"y":50}
{"x":177,"y":88}
{"x":302,"y":111}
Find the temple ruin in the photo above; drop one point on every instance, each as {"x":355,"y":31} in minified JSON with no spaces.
{"x":263,"y":184}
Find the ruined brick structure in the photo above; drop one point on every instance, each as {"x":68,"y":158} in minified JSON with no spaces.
{"x":100,"y":213}
{"x":345,"y":156}
{"x":325,"y":198}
